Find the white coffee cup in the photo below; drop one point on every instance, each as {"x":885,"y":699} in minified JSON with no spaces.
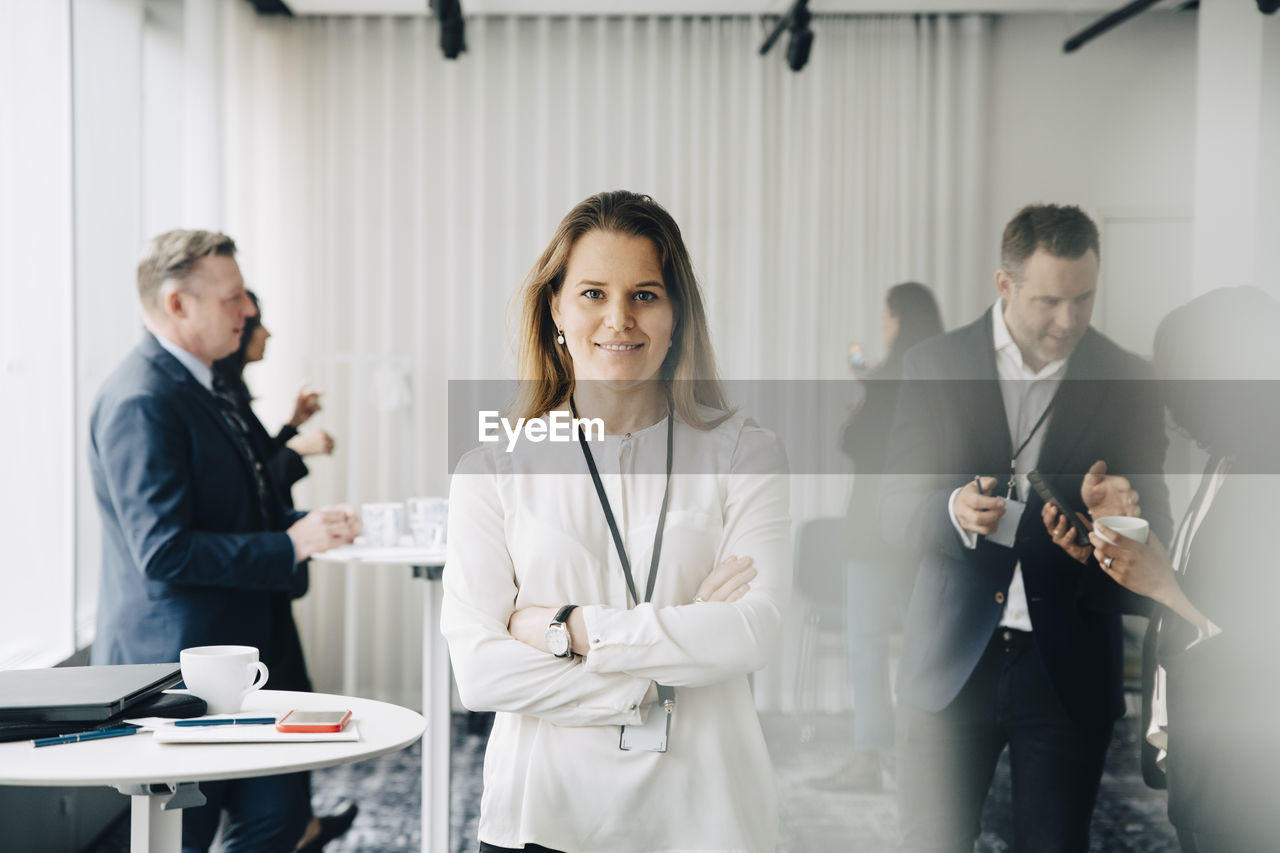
{"x":383,"y":524}
{"x":1137,"y":529}
{"x":222,"y":675}
{"x":429,"y":521}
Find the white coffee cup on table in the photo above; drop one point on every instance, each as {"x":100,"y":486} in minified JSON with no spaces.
{"x":222,"y":675}
{"x":1137,"y":529}
{"x":429,"y":521}
{"x":383,"y":524}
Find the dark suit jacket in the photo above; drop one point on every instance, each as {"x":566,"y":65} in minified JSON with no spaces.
{"x":1223,"y":693}
{"x":284,"y":465}
{"x":950,"y":425}
{"x":186,"y":557}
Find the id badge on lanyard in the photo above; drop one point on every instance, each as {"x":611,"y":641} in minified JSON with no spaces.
{"x":652,"y":735}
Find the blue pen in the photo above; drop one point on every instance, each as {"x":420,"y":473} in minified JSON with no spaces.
{"x":242,"y":721}
{"x":95,"y":735}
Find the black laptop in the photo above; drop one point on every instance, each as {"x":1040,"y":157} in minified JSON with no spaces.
{"x":83,"y":694}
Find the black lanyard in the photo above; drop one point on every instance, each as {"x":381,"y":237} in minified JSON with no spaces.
{"x":608,"y":511}
{"x":1013,"y":455}
{"x":666,"y":695}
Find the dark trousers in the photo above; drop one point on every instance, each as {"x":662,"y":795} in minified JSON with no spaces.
{"x":947,"y":759}
{"x":267,"y":814}
{"x":528,"y":848}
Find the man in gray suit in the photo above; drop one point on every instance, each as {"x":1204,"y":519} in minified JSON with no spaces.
{"x":197,"y":548}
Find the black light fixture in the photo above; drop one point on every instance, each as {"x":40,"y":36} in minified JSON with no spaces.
{"x":801,"y":41}
{"x":453,"y":29}
{"x":1268,"y":7}
{"x":271,"y":7}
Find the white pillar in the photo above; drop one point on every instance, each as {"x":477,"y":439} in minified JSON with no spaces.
{"x":1237,"y":181}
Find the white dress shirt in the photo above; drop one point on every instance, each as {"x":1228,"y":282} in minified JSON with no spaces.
{"x":525,"y":529}
{"x":1027,"y":394}
{"x":197,"y":368}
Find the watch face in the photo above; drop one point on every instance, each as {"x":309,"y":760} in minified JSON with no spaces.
{"x":558,"y":640}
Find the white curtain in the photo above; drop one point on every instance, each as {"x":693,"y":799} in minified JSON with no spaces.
{"x":388,"y":202}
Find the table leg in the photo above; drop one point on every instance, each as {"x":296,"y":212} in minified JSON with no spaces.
{"x":350,"y":630}
{"x":155,"y":817}
{"x":151,"y":828}
{"x":436,"y":708}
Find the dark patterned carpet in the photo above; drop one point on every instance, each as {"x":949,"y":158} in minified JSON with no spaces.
{"x":1129,"y":817}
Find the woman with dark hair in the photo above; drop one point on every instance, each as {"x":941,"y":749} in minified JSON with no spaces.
{"x":1217,"y":687}
{"x":878,"y":577}
{"x":911,"y":315}
{"x":283,"y":453}
{"x":608,"y":596}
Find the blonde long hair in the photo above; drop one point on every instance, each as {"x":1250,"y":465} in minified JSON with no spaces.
{"x":689,"y":370}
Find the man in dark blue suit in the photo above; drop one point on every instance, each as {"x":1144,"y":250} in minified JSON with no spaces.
{"x":197,"y":548}
{"x":1009,"y":641}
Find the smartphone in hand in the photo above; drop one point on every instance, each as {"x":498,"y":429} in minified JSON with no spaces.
{"x":1050,"y":497}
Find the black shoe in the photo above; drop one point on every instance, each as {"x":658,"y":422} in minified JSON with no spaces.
{"x":331,"y":827}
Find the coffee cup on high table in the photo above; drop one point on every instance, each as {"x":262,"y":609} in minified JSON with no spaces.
{"x":429,"y":521}
{"x":383,"y":524}
{"x":222,"y":675}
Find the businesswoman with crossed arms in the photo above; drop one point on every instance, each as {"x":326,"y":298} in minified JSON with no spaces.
{"x":608,"y":597}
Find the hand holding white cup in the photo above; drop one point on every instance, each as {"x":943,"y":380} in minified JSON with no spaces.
{"x":1110,"y":530}
{"x":222,"y":675}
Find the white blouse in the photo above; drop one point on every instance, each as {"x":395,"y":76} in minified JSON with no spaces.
{"x":526,"y":529}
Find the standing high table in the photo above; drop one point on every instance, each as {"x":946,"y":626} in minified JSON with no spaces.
{"x":428,"y":565}
{"x":161,"y":779}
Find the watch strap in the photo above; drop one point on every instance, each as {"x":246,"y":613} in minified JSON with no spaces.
{"x":562,"y":615}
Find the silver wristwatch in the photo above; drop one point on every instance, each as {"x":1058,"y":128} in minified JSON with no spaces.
{"x":558,"y":640}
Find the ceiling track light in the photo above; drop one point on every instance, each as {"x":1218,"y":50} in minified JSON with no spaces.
{"x":453,"y":29}
{"x":271,"y":7}
{"x":796,"y":21}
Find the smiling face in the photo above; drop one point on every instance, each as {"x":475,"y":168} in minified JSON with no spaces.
{"x":1049,"y":309}
{"x":615,"y":313}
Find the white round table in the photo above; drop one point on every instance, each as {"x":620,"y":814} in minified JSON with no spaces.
{"x":161,"y":778}
{"x":427,"y":564}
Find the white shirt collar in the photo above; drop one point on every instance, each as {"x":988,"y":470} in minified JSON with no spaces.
{"x":1008,"y":354}
{"x":197,"y":368}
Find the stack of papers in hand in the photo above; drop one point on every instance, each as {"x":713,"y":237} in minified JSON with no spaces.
{"x":164,"y":731}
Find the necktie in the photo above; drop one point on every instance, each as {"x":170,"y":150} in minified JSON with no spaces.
{"x":230,"y":409}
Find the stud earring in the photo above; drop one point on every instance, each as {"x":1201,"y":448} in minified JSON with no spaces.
{"x":560,"y":336}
